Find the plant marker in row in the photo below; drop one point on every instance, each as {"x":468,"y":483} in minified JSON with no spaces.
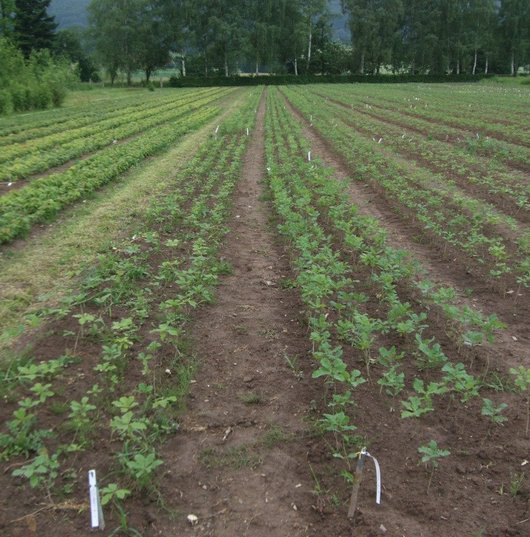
{"x":96,"y":511}
{"x":357,"y":478}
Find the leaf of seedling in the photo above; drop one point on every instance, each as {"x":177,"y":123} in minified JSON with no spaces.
{"x":84,"y":318}
{"x":356,"y":378}
{"x":431,"y":453}
{"x":113,"y":491}
{"x":493,"y":412}
{"x":414,"y":407}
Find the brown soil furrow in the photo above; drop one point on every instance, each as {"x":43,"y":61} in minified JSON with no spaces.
{"x":241,"y":461}
{"x":442,"y":268}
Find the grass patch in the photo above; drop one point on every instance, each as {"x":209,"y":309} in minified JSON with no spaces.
{"x":251,"y":398}
{"x":237,"y":458}
{"x":274,"y":436}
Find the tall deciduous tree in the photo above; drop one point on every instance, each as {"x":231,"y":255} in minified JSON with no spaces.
{"x":130,"y":35}
{"x":311,"y":11}
{"x":33,"y":27}
{"x":7,"y":13}
{"x":363,"y":27}
{"x":515,"y":25}
{"x":480,"y":30}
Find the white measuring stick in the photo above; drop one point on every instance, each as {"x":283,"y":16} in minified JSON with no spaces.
{"x":96,"y":511}
{"x":217,"y":129}
{"x":247,"y":131}
{"x":377,"y":478}
{"x":309,"y":156}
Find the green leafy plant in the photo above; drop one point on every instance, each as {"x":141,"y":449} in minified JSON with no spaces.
{"x":522,"y":384}
{"x":41,"y":471}
{"x":431,"y":454}
{"x":392,"y":381}
{"x":494,"y":412}
{"x":141,"y":467}
{"x":80,"y":416}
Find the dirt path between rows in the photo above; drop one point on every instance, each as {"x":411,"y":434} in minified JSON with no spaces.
{"x":243,"y":460}
{"x":512,"y":345}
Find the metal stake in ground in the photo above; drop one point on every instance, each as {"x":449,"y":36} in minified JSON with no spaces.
{"x":357,"y":478}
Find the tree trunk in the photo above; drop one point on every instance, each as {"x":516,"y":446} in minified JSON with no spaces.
{"x":183,"y":62}
{"x":475,"y":62}
{"x":486,"y":65}
{"x":361,"y":70}
{"x":226,"y":64}
{"x":147,"y":75}
{"x":257,"y":65}
{"x":513,"y":69}
{"x":309,"y":46}
{"x":458,"y":66}
{"x":296,"y":66}
{"x":129,"y":76}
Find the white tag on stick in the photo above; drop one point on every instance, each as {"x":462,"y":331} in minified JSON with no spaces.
{"x":96,"y":511}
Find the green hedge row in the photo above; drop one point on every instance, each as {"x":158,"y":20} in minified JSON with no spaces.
{"x":187,"y":82}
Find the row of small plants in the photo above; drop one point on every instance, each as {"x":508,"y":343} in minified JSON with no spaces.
{"x":475,"y":142}
{"x":134,"y":308}
{"x":343,"y":265}
{"x":457,"y":220}
{"x":498,"y":185}
{"x":42,"y":199}
{"x":427,"y":108}
{"x":22,"y":159}
{"x":25,"y":127}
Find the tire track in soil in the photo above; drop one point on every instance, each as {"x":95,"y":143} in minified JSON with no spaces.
{"x":258,"y":484}
{"x":506,"y":351}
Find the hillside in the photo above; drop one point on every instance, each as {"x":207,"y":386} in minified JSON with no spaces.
{"x":69,"y":13}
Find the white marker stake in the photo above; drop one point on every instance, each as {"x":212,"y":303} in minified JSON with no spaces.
{"x":217,"y":129}
{"x":96,"y":511}
{"x":309,"y":156}
{"x":247,"y":131}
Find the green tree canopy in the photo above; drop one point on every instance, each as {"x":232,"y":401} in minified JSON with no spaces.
{"x":33,"y":27}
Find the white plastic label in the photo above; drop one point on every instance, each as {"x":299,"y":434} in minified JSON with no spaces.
{"x":96,"y":511}
{"x":377,"y":477}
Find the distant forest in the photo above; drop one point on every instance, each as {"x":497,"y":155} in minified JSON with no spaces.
{"x":227,"y":37}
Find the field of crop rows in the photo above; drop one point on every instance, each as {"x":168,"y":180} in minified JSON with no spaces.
{"x":216,"y":298}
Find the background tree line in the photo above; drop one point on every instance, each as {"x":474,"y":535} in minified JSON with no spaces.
{"x":228,"y":36}
{"x":225,"y":37}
